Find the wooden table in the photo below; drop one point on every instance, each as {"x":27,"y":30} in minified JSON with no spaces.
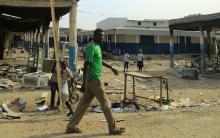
{"x":134,"y":75}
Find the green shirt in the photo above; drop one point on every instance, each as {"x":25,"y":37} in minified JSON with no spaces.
{"x":94,"y":57}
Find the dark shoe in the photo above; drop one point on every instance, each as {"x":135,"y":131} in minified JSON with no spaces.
{"x":51,"y":107}
{"x":118,"y":131}
{"x":73,"y":130}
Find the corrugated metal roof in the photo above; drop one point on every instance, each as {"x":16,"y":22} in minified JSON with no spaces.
{"x":195,"y":22}
{"x":30,"y":14}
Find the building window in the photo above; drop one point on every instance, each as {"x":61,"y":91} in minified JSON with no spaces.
{"x":154,"y":23}
{"x":139,"y":23}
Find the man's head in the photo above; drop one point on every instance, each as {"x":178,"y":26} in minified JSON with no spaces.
{"x":98,"y":36}
{"x":63,"y":64}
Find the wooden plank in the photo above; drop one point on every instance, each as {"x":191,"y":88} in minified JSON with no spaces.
{"x":161,"y":92}
{"x":134,"y":94}
{"x":55,"y":35}
{"x":125,"y":87}
{"x":140,"y":75}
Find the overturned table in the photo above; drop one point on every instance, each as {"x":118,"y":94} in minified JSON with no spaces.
{"x":134,"y":75}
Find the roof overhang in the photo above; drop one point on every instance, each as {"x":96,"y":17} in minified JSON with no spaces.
{"x":194,"y":23}
{"x":27,"y":15}
{"x":35,"y":3}
{"x":142,"y":31}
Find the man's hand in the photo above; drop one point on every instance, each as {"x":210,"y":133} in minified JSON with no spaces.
{"x":83,"y":88}
{"x":115,"y":71}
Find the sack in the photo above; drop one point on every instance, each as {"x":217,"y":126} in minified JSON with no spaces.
{"x":65,"y":92}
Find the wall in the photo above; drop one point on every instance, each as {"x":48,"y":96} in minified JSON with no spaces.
{"x":150,"y":45}
{"x":126,"y":38}
{"x":148,"y":23}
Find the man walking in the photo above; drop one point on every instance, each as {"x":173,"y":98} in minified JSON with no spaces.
{"x":94,"y":88}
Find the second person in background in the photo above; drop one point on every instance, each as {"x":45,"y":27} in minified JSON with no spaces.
{"x":126,"y":61}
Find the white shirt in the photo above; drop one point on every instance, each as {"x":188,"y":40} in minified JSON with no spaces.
{"x":126,"y":57}
{"x":66,"y":74}
{"x":140,"y":57}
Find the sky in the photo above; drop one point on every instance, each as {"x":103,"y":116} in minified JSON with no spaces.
{"x":89,"y":12}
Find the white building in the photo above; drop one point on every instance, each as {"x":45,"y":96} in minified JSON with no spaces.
{"x":152,"y":36}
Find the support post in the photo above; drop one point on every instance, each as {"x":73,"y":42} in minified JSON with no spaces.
{"x":171,"y":48}
{"x":161,"y":91}
{"x":115,"y":39}
{"x":137,"y":41}
{"x":202,"y":49}
{"x":134,"y":94}
{"x":158,"y":44}
{"x":209,"y":45}
{"x":47,"y":45}
{"x":215,"y":43}
{"x":125,"y":86}
{"x":55,"y":35}
{"x":73,"y":48}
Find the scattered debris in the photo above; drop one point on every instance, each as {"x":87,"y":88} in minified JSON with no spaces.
{"x":17,"y":105}
{"x":151,"y":108}
{"x":8,"y":84}
{"x":41,"y":102}
{"x":11,"y":109}
{"x":184,"y":73}
{"x":43,"y":108}
{"x":10,"y":115}
{"x":35,"y":80}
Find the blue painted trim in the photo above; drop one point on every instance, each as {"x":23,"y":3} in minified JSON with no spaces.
{"x":73,"y":57}
{"x":160,"y":48}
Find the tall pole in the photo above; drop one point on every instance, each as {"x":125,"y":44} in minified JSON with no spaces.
{"x":115,"y":40}
{"x":158,"y":44}
{"x":202,"y":49}
{"x":47,"y":44}
{"x":55,"y":35}
{"x":171,"y":49}
{"x":73,"y":47}
{"x":137,"y":41}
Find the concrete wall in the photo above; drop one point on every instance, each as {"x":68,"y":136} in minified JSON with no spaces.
{"x":195,"y":40}
{"x":129,"y":43}
{"x":148,"y":23}
{"x":126,"y":38}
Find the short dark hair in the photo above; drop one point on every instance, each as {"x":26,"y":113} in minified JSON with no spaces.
{"x":97,"y":35}
{"x":98,"y":32}
{"x":63,"y":64}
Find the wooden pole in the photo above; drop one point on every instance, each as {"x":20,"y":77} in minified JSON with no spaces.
{"x":202,"y":49}
{"x":125,"y":87}
{"x":55,"y":35}
{"x":134,"y":94}
{"x":171,"y":49}
{"x":73,"y":47}
{"x":161,"y":92}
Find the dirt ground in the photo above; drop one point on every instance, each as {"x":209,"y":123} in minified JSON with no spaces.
{"x":188,"y":122}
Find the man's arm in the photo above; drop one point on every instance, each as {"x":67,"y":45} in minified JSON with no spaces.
{"x":85,"y":69}
{"x":110,"y":67}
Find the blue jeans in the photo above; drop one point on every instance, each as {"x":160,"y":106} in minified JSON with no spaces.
{"x":53,"y":89}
